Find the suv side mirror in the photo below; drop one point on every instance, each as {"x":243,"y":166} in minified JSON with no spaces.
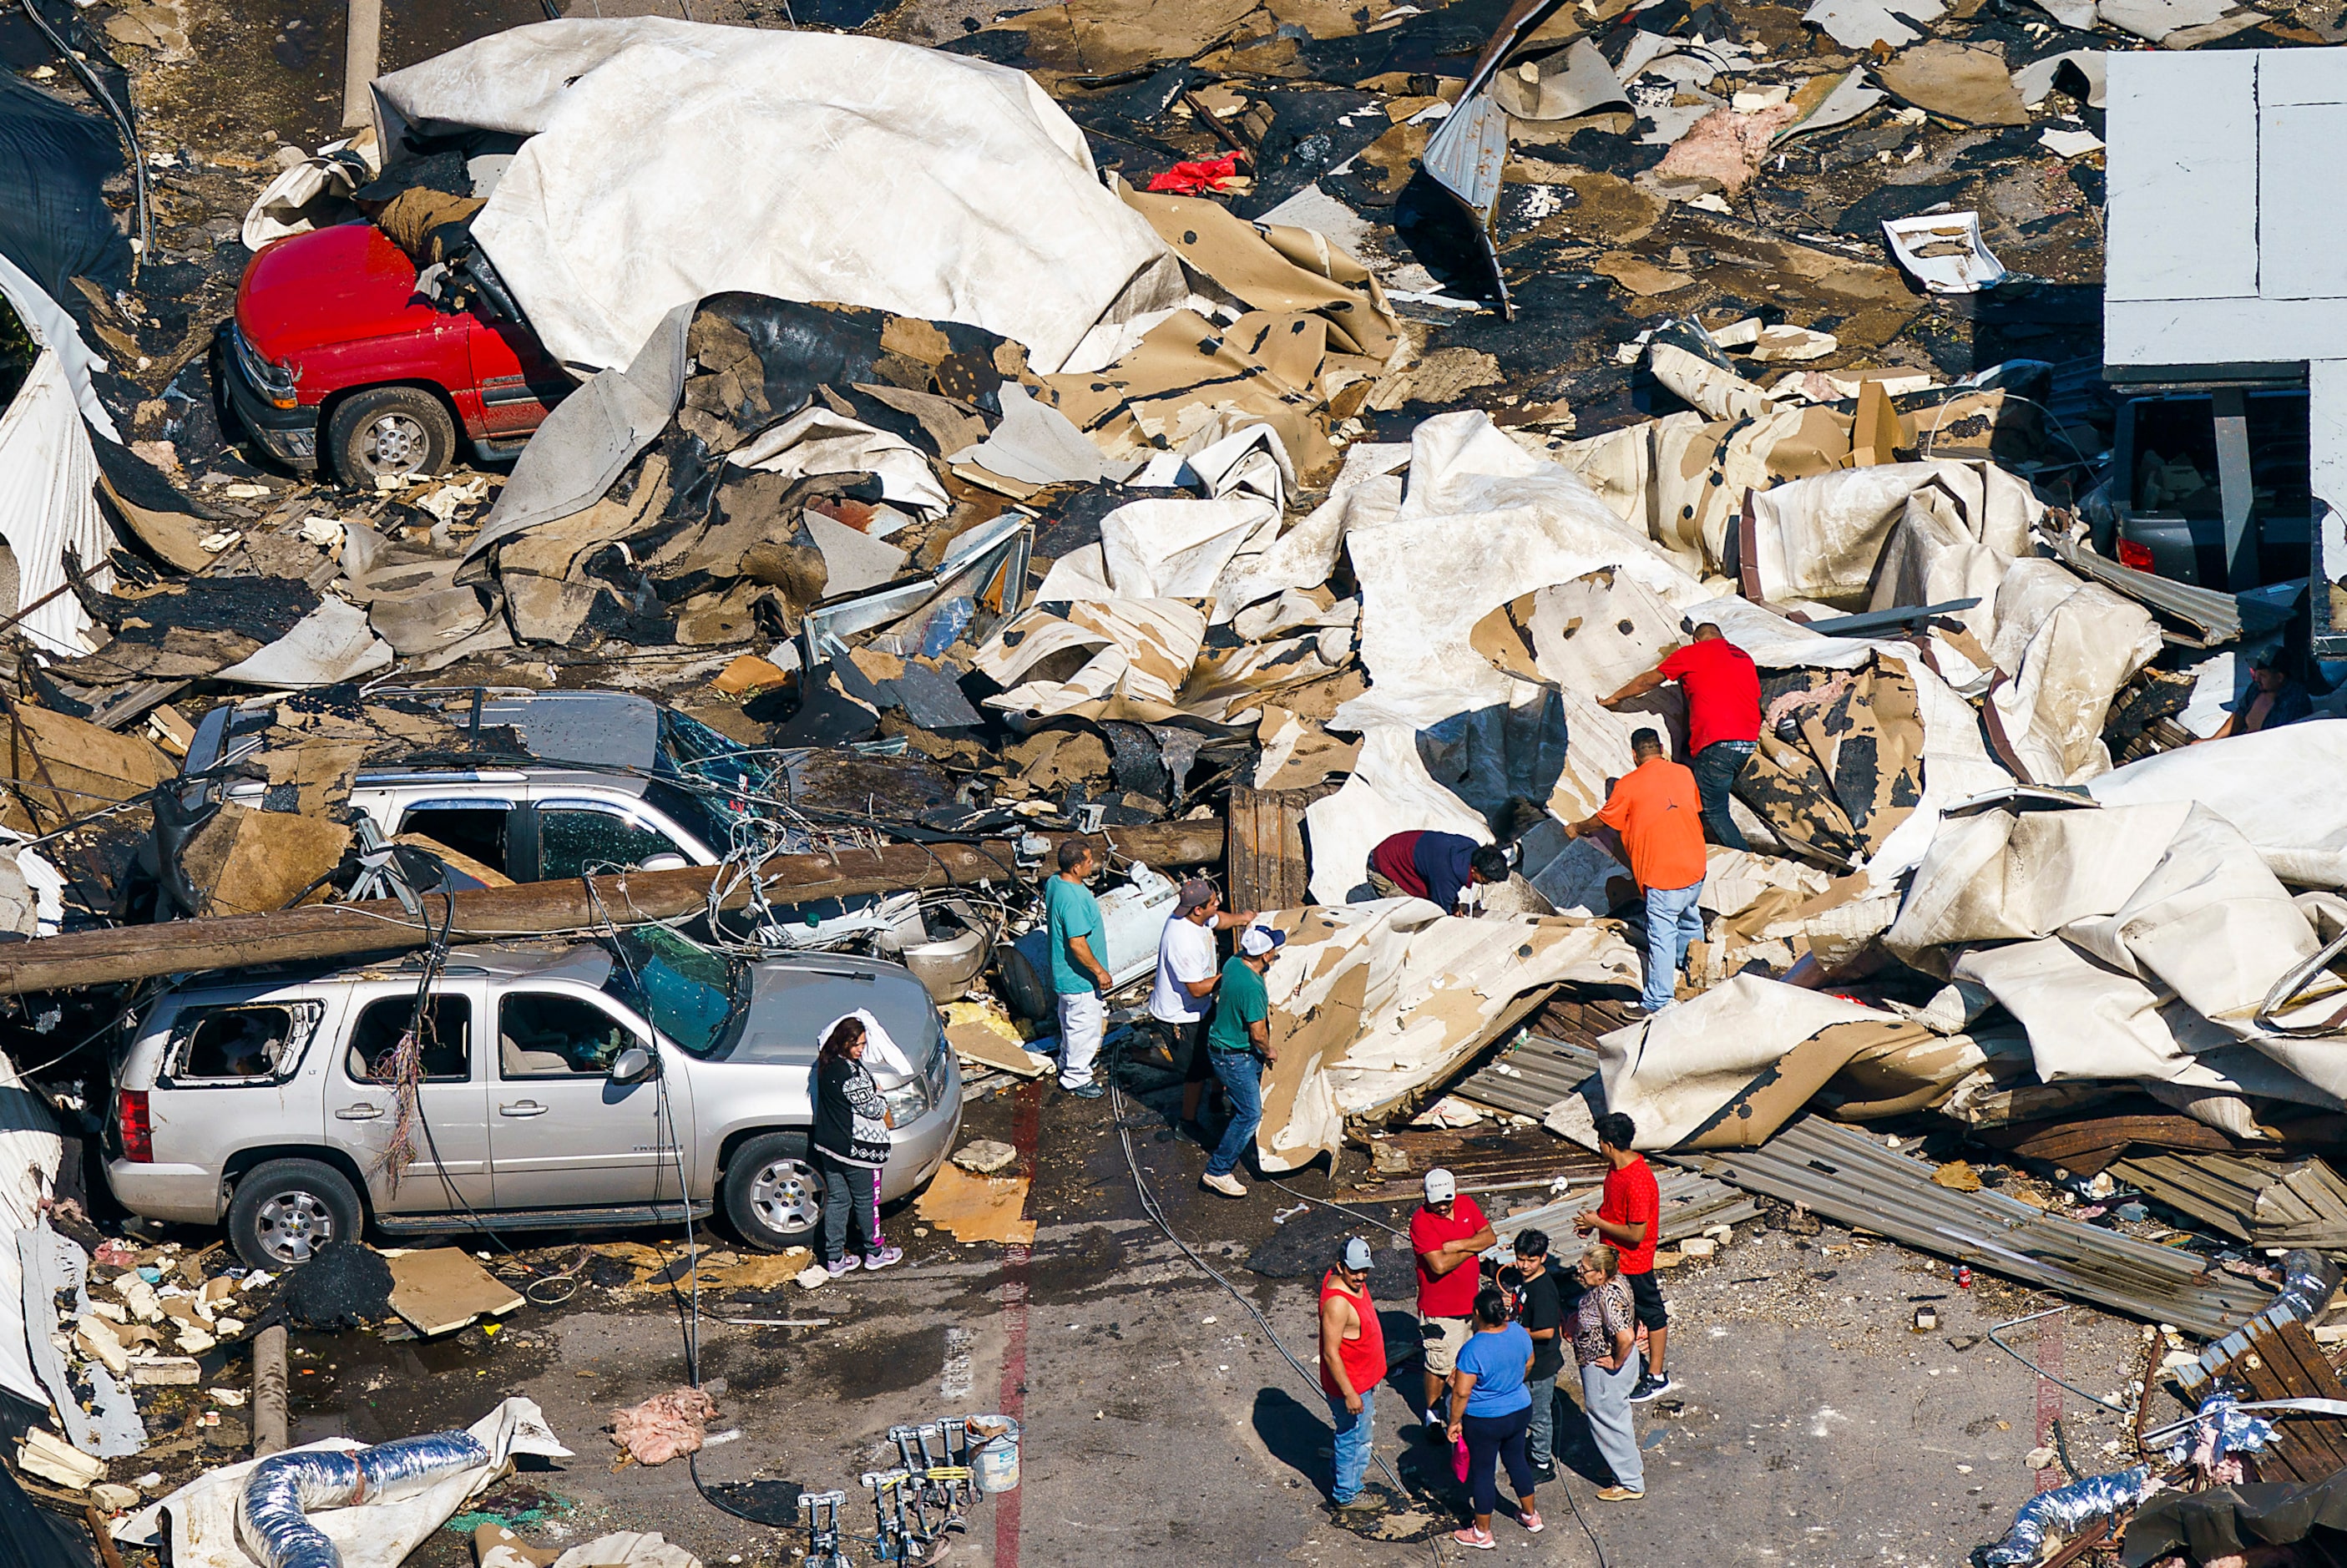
{"x":633,"y":1065}
{"x":667,"y":862}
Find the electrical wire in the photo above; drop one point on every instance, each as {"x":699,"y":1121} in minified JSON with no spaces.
{"x":2041,"y":1371}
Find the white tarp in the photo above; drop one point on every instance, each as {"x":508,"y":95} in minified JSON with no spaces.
{"x":1671,"y":1072}
{"x":2063,"y":647}
{"x":668,"y":161}
{"x":49,"y":474}
{"x":2279,"y":787}
{"x":1372,"y":1001}
{"x":47,"y":324}
{"x":815,"y":440}
{"x":1482,"y":522}
{"x":2126,"y":939}
{"x":30,"y":1150}
{"x":333,"y":643}
{"x":201,"y":1517}
{"x":1825,"y":537}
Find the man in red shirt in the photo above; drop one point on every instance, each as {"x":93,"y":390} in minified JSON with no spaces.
{"x":1630,"y":1216}
{"x":1448,"y":1234}
{"x":1723,"y":699}
{"x":1653,"y":808}
{"x":1352,"y":1364}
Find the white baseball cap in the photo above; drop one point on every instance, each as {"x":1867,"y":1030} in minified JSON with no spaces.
{"x":1257,"y":940}
{"x":1441,"y":1187}
{"x":1356,"y":1254}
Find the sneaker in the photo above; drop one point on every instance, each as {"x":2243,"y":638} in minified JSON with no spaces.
{"x":1531,"y":1523}
{"x":1481,"y":1539}
{"x":884,"y":1257}
{"x":1228,"y":1186}
{"x":1086,"y":1091}
{"x":1620,"y":1494}
{"x":839,"y":1266}
{"x":1544,"y":1473}
{"x":1651,"y":1385}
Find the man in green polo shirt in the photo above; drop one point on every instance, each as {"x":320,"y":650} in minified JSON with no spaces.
{"x":1240,"y":1043}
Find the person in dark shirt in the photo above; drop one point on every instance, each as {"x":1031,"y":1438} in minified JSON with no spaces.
{"x":2272,"y":701}
{"x":1436,"y":866}
{"x":1540,"y":1309}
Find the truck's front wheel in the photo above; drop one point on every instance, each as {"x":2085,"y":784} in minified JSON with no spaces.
{"x":390,"y":433}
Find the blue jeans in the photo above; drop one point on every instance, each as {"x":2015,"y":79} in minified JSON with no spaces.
{"x":1539,"y":1437}
{"x":1715,"y":769}
{"x":1354,"y":1435}
{"x":1673,"y":925}
{"x":1242,"y":1075}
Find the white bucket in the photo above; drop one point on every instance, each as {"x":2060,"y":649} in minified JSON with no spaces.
{"x":994,"y":1454}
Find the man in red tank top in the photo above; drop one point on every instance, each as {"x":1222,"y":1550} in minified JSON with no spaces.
{"x":1352,"y":1364}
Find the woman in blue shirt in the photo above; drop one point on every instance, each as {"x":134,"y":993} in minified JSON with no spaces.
{"x":1492,"y":1409}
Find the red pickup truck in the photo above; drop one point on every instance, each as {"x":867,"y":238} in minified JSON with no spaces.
{"x":334,"y":359}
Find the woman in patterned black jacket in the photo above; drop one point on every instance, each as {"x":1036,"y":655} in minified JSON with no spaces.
{"x":851,"y":1146}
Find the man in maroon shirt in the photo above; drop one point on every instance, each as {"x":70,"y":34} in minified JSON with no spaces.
{"x":1723,"y":699}
{"x":1630,"y":1217}
{"x":1448,"y":1233}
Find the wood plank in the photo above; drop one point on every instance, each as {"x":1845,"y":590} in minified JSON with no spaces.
{"x":1265,"y":848}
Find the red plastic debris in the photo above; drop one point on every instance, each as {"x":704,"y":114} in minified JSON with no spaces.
{"x":1197,"y":178}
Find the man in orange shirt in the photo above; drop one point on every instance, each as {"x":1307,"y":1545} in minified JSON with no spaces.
{"x":1659,"y":814}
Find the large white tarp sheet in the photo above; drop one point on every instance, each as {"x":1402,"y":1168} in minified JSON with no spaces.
{"x":48,"y":504}
{"x":668,"y":161}
{"x":2279,"y":787}
{"x":1372,"y":1002}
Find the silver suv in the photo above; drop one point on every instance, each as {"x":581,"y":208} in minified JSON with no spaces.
{"x":624,"y":1074}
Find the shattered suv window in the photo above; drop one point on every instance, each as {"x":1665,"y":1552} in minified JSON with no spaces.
{"x":692,"y":996}
{"x":571,"y":842}
{"x":236,"y":1045}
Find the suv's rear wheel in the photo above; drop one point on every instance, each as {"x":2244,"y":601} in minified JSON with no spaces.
{"x":774,"y":1195}
{"x":285,"y":1210}
{"x":390,"y":433}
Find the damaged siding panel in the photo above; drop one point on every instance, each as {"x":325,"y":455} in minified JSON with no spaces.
{"x":2183,"y":206}
{"x":2303,"y":231}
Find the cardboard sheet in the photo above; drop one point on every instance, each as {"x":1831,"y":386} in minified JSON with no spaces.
{"x":444,"y":1289}
{"x":977,"y":1208}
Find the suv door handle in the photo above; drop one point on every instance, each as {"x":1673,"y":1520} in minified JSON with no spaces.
{"x":522,"y":1108}
{"x":358,"y":1113}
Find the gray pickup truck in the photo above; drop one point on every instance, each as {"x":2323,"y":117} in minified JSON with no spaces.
{"x":559,"y":1083}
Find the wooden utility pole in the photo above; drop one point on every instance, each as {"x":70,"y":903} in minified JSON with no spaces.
{"x":540,"y":909}
{"x":362,"y":55}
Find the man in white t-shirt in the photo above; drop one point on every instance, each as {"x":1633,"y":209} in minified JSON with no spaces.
{"x":1182,"y":999}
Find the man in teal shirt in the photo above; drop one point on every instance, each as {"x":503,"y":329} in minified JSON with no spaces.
{"x":1240,"y":1043}
{"x":1074,"y":917}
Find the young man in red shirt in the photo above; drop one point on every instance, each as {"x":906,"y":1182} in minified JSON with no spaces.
{"x":1723,"y":698}
{"x":1448,"y":1234}
{"x":1352,"y":1364}
{"x":1630,"y":1216}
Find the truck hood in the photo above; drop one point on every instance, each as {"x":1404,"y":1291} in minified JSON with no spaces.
{"x":332,"y":285}
{"x":793,"y":1001}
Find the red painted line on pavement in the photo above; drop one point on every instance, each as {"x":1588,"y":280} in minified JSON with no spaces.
{"x":2049,"y":1397}
{"x":1026,"y":1115}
